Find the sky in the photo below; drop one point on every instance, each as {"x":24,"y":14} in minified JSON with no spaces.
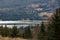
{"x":39,"y":7}
{"x":15,"y":3}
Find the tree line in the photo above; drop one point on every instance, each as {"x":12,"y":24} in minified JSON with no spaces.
{"x":15,"y":32}
{"x":52,"y":32}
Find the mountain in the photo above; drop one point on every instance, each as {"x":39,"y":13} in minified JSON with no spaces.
{"x":27,"y":9}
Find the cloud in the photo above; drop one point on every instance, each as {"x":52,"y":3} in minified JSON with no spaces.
{"x":53,"y":0}
{"x":38,"y":9}
{"x":6,"y":9}
{"x":45,"y":13}
{"x":34,"y":5}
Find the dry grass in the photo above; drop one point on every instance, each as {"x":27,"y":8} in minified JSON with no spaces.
{"x":7,"y":38}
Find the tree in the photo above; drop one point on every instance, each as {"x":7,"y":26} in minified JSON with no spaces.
{"x":5,"y":32}
{"x":21,"y":31}
{"x":27,"y":33}
{"x":14,"y":31}
{"x":1,"y":30}
{"x":54,"y":26}
{"x":41,"y":34}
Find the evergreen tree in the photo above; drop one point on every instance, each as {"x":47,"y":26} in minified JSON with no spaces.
{"x":21,"y":31}
{"x":10,"y":32}
{"x":14,"y":31}
{"x":54,"y":26}
{"x":1,"y":30}
{"x":41,"y":34}
{"x":5,"y":32}
{"x":27,"y":33}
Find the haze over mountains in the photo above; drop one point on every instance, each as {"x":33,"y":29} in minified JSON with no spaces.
{"x":27,"y":9}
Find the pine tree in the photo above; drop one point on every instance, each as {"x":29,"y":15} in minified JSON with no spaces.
{"x":41,"y":34}
{"x":54,"y":26}
{"x":50,"y":32}
{"x":1,"y":30}
{"x":5,"y":32}
{"x":21,"y":31}
{"x":10,"y":32}
{"x":27,"y":33}
{"x":14,"y":31}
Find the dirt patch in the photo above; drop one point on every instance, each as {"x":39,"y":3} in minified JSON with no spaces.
{"x":7,"y":38}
